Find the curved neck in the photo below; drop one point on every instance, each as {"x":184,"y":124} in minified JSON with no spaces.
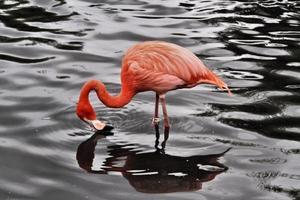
{"x":117,"y":101}
{"x":84,"y":108}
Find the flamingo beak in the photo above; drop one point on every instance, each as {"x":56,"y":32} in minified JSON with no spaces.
{"x":98,"y":125}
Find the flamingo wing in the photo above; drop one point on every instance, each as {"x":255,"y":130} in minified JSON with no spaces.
{"x":167,"y":64}
{"x":144,"y":79}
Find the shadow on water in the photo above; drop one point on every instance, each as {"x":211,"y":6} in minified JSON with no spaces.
{"x":154,"y":171}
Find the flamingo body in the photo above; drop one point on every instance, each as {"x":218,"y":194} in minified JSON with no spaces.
{"x":149,"y":66}
{"x":160,"y":67}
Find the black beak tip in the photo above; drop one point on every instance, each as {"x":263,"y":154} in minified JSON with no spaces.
{"x":106,"y":130}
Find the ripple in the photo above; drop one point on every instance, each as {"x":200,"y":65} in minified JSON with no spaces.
{"x":285,"y":33}
{"x":270,"y":160}
{"x":289,"y":73}
{"x":242,"y":57}
{"x":292,"y":110}
{"x":188,"y":5}
{"x":49,"y":49}
{"x":162,"y":10}
{"x":264,"y":51}
{"x":63,"y":77}
{"x":249,"y":42}
{"x":40,"y":14}
{"x":293,"y":86}
{"x":294,"y":64}
{"x":12,"y":58}
{"x":242,"y":75}
{"x":124,"y":35}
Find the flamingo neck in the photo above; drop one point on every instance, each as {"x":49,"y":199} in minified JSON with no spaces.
{"x":84,"y":107}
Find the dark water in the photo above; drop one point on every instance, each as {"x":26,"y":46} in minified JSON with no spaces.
{"x":220,"y":147}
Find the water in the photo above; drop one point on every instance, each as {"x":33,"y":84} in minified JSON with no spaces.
{"x":220,"y":147}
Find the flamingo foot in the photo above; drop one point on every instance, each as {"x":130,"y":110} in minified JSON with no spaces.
{"x":155,"y":121}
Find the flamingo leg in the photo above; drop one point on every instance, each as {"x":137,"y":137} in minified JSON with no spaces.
{"x":157,"y":136}
{"x":155,"y":120}
{"x":164,"y":108}
{"x":166,"y":136}
{"x":156,"y":105}
{"x":166,"y":118}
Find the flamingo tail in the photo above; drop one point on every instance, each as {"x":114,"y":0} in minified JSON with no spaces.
{"x":213,"y":79}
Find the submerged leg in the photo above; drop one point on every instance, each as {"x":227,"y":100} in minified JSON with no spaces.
{"x":155,"y":120}
{"x":157,"y":136}
{"x":166,"y":136}
{"x":156,"y":105}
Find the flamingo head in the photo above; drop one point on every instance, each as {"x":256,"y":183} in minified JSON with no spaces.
{"x":87,"y":114}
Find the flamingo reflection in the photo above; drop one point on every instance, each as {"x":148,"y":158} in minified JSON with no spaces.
{"x":152,"y":172}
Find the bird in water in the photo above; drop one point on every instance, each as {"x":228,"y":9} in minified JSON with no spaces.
{"x":149,"y":66}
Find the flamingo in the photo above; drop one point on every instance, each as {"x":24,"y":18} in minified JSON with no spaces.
{"x":149,"y":66}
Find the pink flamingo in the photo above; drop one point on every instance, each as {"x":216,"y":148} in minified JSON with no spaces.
{"x":149,"y":66}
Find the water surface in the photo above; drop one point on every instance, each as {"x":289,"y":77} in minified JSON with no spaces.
{"x":244,"y":146}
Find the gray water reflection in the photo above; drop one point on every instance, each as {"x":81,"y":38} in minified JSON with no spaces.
{"x":154,"y":171}
{"x":48,"y":49}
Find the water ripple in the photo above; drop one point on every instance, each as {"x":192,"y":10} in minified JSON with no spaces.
{"x":50,"y":48}
{"x":23,"y":60}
